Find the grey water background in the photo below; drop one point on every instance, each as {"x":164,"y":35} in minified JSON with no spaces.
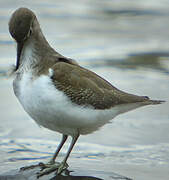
{"x":127,"y":43}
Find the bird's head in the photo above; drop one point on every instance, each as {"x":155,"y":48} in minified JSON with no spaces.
{"x":21,"y":24}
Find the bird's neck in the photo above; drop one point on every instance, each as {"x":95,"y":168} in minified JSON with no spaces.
{"x":34,"y":51}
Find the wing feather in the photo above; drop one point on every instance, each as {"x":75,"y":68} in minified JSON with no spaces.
{"x":86,"y":88}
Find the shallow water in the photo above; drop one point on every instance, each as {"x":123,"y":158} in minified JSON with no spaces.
{"x":127,"y":44}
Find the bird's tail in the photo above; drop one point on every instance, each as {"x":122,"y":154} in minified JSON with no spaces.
{"x":153,"y":102}
{"x":147,"y":101}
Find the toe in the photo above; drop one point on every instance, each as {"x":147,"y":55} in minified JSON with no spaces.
{"x":47,"y":170}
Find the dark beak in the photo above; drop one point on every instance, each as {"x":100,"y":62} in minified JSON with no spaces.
{"x":19,"y":50}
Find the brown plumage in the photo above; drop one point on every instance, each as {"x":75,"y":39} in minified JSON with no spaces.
{"x":86,"y":88}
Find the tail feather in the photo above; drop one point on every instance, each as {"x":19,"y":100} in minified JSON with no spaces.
{"x":153,"y":102}
{"x":147,"y":100}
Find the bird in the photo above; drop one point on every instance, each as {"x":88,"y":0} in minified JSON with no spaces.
{"x":58,"y":93}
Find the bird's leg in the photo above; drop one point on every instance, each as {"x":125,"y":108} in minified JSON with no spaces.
{"x":61,"y":166}
{"x":64,"y":138}
{"x":52,"y":161}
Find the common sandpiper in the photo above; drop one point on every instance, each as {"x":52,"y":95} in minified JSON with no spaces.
{"x":58,"y":93}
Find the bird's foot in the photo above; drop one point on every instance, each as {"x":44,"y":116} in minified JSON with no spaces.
{"x":41,"y":165}
{"x":51,"y":167}
{"x":62,"y":167}
{"x":28,"y":167}
{"x":48,"y":166}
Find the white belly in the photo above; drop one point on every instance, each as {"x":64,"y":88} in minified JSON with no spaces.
{"x":50,"y":108}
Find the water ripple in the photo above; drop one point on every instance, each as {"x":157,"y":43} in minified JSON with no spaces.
{"x":31,"y":149}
